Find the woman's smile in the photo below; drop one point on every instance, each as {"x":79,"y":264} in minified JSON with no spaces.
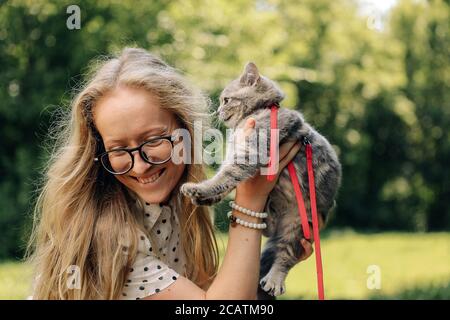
{"x":128,"y":115}
{"x":152,"y":179}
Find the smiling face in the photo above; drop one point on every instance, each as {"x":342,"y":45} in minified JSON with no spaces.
{"x":126,"y":117}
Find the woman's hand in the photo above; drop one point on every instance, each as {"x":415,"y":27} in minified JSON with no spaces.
{"x":307,"y":249}
{"x":307,"y":245}
{"x":258,"y":186}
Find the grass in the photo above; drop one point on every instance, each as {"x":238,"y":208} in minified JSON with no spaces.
{"x":15,"y":280}
{"x":411,"y":265}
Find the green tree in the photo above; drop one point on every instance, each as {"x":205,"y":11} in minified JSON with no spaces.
{"x":381,"y":97}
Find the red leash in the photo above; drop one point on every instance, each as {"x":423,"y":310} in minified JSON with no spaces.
{"x":273,"y":142}
{"x":299,"y":196}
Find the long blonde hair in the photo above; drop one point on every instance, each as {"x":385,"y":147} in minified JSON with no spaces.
{"x":82,"y":214}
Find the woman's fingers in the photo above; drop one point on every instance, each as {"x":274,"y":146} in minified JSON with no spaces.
{"x":294,"y":149}
{"x":308,"y":249}
{"x":284,"y":149}
{"x":249,"y":126}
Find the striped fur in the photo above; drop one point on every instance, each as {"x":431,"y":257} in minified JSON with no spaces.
{"x":250,"y":96}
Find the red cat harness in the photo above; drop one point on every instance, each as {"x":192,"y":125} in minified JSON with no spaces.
{"x":298,"y":194}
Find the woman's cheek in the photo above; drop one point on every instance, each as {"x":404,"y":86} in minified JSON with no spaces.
{"x":176,"y":173}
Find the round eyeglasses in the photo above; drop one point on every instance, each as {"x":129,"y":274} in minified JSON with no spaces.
{"x":154,"y":151}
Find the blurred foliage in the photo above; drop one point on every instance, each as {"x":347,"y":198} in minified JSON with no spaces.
{"x":380,"y":96}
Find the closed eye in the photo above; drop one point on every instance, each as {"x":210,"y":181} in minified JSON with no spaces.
{"x":115,"y":148}
{"x":162,"y":133}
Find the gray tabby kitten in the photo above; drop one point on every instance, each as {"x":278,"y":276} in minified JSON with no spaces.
{"x":251,"y":95}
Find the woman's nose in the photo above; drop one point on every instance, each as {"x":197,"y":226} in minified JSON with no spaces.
{"x":140,"y":166}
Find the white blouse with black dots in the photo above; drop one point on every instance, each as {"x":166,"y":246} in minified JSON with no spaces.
{"x":149,"y":274}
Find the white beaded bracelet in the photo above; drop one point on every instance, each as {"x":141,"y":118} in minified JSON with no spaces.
{"x":248,"y":211}
{"x":246,"y":223}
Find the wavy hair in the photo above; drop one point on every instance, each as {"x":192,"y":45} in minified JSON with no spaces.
{"x":83,"y":215}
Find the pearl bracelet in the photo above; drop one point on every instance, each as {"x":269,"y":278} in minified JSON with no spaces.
{"x":248,"y":211}
{"x":244,"y":223}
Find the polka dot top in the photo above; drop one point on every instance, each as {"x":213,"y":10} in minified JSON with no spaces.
{"x":149,"y":274}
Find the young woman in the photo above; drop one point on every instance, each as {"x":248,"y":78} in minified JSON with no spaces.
{"x":110,"y":222}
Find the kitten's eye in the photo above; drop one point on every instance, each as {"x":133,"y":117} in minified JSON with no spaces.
{"x":226,"y":100}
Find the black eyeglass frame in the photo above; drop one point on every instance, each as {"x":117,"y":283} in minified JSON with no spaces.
{"x":130,"y":151}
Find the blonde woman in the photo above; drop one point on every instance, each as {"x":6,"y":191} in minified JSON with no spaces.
{"x":110,"y":222}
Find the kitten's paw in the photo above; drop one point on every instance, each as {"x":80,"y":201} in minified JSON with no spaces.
{"x":198,"y":198}
{"x":273,"y":283}
{"x":190,"y":189}
{"x":203,"y":202}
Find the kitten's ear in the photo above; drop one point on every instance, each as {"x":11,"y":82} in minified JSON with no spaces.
{"x":251,"y":75}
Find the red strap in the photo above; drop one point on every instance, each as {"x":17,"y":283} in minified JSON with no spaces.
{"x":273,"y":142}
{"x":300,"y":202}
{"x":299,"y":197}
{"x":315,"y":222}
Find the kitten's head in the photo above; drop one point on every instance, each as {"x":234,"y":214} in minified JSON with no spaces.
{"x":246,"y":94}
